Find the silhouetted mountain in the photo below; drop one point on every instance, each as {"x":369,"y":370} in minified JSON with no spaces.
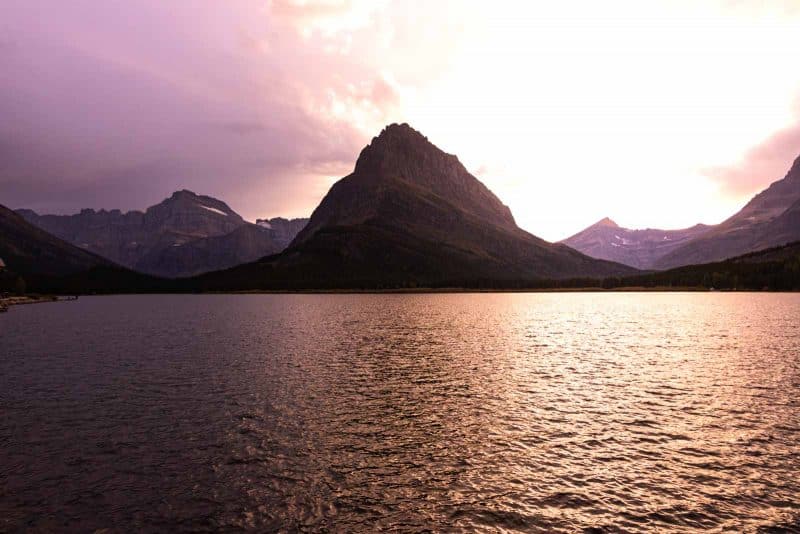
{"x":769,"y":219}
{"x":26,"y":249}
{"x":48,"y":264}
{"x":184,"y":235}
{"x":638,"y":248}
{"x":410,"y":214}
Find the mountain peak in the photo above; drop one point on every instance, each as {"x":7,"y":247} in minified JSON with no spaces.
{"x":398,"y":145}
{"x":400,"y":178}
{"x":402,"y":156}
{"x":190,"y":200}
{"x":399,"y":130}
{"x":605,"y":221}
{"x":183,"y":193}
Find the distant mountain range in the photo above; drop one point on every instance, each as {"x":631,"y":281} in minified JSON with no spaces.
{"x":770,"y":219}
{"x":410,"y":214}
{"x":48,"y":264}
{"x":30,"y":250}
{"x":637,"y":248}
{"x":185,"y":235}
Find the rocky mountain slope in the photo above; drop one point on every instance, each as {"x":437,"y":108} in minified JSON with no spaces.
{"x":638,"y":248}
{"x":184,"y":235}
{"x":26,"y":249}
{"x":410,"y":214}
{"x":770,"y":219}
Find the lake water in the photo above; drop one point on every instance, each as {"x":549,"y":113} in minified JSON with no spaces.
{"x":517,"y":412}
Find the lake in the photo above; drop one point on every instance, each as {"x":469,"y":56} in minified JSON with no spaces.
{"x":548,"y":412}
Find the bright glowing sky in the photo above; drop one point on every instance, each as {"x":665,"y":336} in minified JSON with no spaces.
{"x":659,"y":114}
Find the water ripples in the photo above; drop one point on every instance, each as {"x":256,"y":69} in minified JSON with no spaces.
{"x":461,"y":412}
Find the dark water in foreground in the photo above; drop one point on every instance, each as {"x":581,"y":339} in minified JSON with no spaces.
{"x":530,"y":412}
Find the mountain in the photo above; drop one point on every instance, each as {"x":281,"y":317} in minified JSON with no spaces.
{"x":48,"y":264}
{"x":184,"y":235}
{"x":774,"y":269}
{"x":638,"y":248}
{"x":283,"y":230}
{"x":770,"y":219}
{"x":244,"y":244}
{"x":410,"y":214}
{"x":784,"y":228}
{"x":26,"y":249}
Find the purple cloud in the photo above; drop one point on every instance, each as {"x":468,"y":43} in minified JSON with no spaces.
{"x":763,"y":164}
{"x":116,"y":104}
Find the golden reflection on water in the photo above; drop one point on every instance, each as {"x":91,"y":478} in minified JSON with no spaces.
{"x":517,"y":412}
{"x":629,"y":410}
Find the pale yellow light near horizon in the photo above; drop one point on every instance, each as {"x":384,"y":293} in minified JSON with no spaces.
{"x":578,"y":110}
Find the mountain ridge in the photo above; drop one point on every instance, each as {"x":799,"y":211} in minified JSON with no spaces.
{"x":410,"y":213}
{"x":640,"y":248}
{"x":758,"y":225}
{"x":183,"y":235}
{"x":769,"y":219}
{"x":27,"y":249}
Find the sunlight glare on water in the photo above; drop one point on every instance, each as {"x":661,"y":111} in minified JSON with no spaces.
{"x":547,"y":412}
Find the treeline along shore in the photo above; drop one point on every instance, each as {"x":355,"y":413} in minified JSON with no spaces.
{"x":775,"y":269}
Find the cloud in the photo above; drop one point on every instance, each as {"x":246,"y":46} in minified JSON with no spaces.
{"x":328,"y":16}
{"x":763,"y":164}
{"x":264,"y":103}
{"x":124,"y":102}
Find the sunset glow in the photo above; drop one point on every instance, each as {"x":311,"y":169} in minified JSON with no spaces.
{"x":615,"y":110}
{"x":659,"y":114}
{"x":400,"y":265}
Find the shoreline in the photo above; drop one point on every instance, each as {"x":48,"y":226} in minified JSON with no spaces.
{"x":429,"y":290}
{"x":440,"y":290}
{"x":7,"y":302}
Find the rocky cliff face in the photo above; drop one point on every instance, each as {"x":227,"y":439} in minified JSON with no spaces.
{"x":410,"y":214}
{"x":637,"y":248}
{"x":184,"y":235}
{"x":399,"y":163}
{"x":245,"y":244}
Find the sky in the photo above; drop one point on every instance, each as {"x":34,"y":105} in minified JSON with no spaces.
{"x":656,"y":114}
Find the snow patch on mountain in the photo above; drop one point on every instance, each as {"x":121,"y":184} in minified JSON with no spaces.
{"x":215,"y":210}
